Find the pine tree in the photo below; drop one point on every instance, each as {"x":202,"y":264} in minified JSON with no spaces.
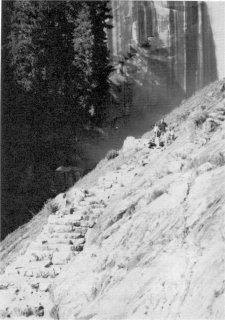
{"x":22,"y":49}
{"x":100,"y":15}
{"x":83,"y":42}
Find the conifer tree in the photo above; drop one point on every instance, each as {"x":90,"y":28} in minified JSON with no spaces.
{"x":24,"y":21}
{"x":83,"y":42}
{"x":100,"y":15}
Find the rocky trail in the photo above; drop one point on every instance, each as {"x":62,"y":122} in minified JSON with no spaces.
{"x":140,"y":237}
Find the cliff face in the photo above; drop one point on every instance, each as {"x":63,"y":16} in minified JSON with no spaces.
{"x":141,"y":236}
{"x":167,"y":48}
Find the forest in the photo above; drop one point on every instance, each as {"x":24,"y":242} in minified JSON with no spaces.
{"x":55,"y":83}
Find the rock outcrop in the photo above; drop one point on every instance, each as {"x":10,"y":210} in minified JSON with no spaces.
{"x":141,"y":236}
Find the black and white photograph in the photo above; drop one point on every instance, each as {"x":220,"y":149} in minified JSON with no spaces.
{"x":112,"y":160}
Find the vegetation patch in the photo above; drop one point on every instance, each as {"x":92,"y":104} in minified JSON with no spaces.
{"x":199,"y":118}
{"x":27,"y":312}
{"x":156,"y":194}
{"x":218,"y":160}
{"x":182,"y":117}
{"x":52,"y":207}
{"x":54,"y":313}
{"x":135,"y":260}
{"x":195,"y":163}
{"x":112,"y":154}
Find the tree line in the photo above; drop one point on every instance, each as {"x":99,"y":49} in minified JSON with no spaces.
{"x":55,"y":75}
{"x":58,"y":52}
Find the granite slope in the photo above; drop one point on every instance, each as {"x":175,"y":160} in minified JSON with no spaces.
{"x":140,"y":237}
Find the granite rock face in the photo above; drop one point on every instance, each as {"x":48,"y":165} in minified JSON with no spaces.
{"x":165,"y":49}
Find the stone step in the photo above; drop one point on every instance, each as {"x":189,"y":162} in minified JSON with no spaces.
{"x":96,"y":201}
{"x":12,"y":270}
{"x":62,"y":258}
{"x":72,"y":230}
{"x":32,"y":269}
{"x":60,"y":228}
{"x":217,"y":121}
{"x":60,"y":247}
{"x":41,"y":285}
{"x":37,"y":247}
{"x":95,"y":212}
{"x":87,"y":224}
{"x":95,"y":204}
{"x":65,"y":220}
{"x":46,"y":266}
{"x":52,"y":229}
{"x":220,"y":109}
{"x":65,"y":223}
{"x":38,"y":256}
{"x":216,"y":114}
{"x":64,"y":241}
{"x":68,"y":235}
{"x":44,"y":273}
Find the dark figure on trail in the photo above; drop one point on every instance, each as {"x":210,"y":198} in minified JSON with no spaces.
{"x":156,"y":130}
{"x":151,"y":144}
{"x":162,"y":126}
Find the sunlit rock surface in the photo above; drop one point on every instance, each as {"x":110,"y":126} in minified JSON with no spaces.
{"x":166,"y":49}
{"x":140,"y":237}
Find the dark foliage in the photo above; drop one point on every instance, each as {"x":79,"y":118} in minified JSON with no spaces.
{"x":54,"y":83}
{"x":112,"y":154}
{"x":101,"y":67}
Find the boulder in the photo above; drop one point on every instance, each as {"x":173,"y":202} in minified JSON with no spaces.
{"x":43,"y":286}
{"x":129,"y":143}
{"x":61,"y":257}
{"x":132,"y":143}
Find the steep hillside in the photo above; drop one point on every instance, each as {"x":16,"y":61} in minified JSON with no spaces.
{"x":140,"y":237}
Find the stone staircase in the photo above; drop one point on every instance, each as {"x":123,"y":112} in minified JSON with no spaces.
{"x":28,"y":279}
{"x":26,"y":283}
